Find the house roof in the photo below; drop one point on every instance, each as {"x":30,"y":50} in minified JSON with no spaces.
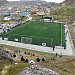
{"x":23,"y":14}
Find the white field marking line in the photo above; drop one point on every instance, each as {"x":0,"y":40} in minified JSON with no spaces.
{"x":61,"y":34}
{"x":28,"y":36}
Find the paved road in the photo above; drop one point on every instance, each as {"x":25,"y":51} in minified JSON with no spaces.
{"x":68,"y":50}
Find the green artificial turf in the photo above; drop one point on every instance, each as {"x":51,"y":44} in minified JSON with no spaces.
{"x":40,"y":32}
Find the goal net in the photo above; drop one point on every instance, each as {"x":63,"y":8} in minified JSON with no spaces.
{"x":26,"y":40}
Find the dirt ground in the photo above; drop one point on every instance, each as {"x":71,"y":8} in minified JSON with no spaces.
{"x":64,"y":65}
{"x":72,"y":33}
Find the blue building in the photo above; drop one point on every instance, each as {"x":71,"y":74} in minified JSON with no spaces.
{"x":23,"y":15}
{"x":49,"y":6}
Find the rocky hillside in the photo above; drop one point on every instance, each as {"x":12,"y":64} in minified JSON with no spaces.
{"x":69,"y":2}
{"x":70,"y":15}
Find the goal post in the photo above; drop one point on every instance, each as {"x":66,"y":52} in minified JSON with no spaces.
{"x":26,"y":40}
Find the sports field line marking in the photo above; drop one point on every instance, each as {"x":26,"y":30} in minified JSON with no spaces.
{"x":61,"y":34}
{"x":28,"y":36}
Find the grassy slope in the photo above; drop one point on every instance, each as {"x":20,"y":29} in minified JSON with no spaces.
{"x":37,"y":29}
{"x":64,"y":65}
{"x":4,"y":63}
{"x":13,"y":69}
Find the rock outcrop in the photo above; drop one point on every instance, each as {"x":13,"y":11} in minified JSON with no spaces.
{"x":37,"y":70}
{"x":4,"y":54}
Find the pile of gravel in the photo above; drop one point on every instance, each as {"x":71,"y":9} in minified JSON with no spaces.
{"x":37,"y":70}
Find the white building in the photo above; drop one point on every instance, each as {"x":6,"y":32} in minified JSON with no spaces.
{"x":8,"y":18}
{"x":48,"y":19}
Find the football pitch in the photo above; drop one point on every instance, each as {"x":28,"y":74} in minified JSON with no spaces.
{"x":38,"y":32}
